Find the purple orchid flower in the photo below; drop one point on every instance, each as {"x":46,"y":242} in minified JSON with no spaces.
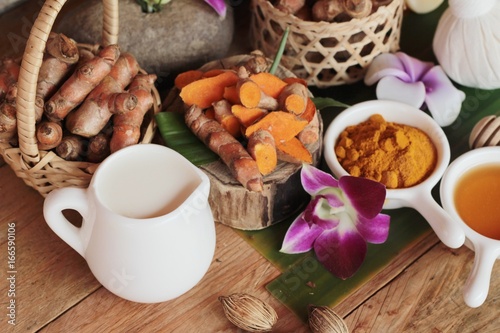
{"x":152,"y":6}
{"x":342,"y":216}
{"x":219,"y":6}
{"x":415,"y":82}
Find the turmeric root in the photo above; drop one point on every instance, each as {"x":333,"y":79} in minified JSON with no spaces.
{"x":60,"y":57}
{"x":357,"y":8}
{"x":231,"y":94}
{"x":310,"y":134}
{"x":49,"y":135}
{"x":187,"y":77}
{"x":99,"y":106}
{"x":269,"y":83}
{"x":80,"y":83}
{"x":326,"y":10}
{"x":293,"y":98}
{"x":8,"y":121}
{"x":247,"y":116}
{"x":293,"y":151}
{"x":127,"y":126}
{"x":251,"y":96}
{"x":71,"y":148}
{"x":99,"y":147}
{"x":282,"y":125}
{"x":257,"y":63}
{"x":262,"y":148}
{"x":310,"y":111}
{"x":223,"y":114}
{"x":105,"y":100}
{"x":290,"y":6}
{"x":205,"y":91}
{"x":241,"y":165}
{"x":125,"y":69}
{"x":9,"y":74}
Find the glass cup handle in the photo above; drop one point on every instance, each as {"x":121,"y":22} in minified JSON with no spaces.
{"x":478,"y":283}
{"x":53,"y":206}
{"x":449,"y":232}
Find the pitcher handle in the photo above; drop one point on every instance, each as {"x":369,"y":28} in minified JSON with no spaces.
{"x":53,"y":206}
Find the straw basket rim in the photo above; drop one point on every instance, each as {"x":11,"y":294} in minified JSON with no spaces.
{"x":45,"y":170}
{"x":380,"y":30}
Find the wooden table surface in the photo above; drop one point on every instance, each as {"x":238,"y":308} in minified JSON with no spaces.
{"x":56,"y":292}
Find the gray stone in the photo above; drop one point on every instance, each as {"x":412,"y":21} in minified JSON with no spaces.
{"x":5,"y":5}
{"x":184,"y":35}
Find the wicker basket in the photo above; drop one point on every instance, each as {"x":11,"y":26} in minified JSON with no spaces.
{"x":327,"y":54}
{"x":44,"y":170}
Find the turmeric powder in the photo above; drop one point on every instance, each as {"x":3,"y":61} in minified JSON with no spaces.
{"x":396,"y":155}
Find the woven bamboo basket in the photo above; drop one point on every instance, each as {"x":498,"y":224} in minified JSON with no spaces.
{"x":44,"y":170}
{"x":322,"y":53}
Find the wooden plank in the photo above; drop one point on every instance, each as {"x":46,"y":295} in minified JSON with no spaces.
{"x":392,"y":270}
{"x":50,"y":276}
{"x":427,"y":297}
{"x":236,"y":268}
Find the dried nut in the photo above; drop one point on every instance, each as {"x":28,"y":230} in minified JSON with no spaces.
{"x":485,"y":133}
{"x":248,"y":312}
{"x":323,"y":319}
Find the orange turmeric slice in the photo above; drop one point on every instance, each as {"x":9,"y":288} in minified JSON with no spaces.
{"x":269,"y":83}
{"x":247,"y":116}
{"x":282,"y":125}
{"x":293,"y":151}
{"x":205,"y":91}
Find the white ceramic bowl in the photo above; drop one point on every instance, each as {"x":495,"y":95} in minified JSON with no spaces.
{"x":487,"y":250}
{"x":419,"y":196}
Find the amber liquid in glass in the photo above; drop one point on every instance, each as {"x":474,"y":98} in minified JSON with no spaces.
{"x":477,"y":200}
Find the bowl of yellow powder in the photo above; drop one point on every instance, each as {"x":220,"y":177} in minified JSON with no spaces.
{"x":400,"y":146}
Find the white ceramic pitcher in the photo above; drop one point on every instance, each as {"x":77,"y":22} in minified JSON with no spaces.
{"x":147,"y":233}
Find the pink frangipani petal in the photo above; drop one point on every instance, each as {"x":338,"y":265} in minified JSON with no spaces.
{"x":341,"y":252}
{"x":414,"y":67}
{"x":393,"y":89}
{"x":365,"y":195}
{"x":385,"y":64}
{"x":314,"y":180}
{"x":374,"y":230}
{"x":443,"y":100}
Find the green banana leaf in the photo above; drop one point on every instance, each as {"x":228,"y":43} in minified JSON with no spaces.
{"x":303,"y":280}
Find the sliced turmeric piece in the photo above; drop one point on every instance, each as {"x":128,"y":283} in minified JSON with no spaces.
{"x":223,"y":114}
{"x":185,"y":78}
{"x":293,"y":151}
{"x":282,"y":125}
{"x":231,"y":94}
{"x":262,"y":148}
{"x":310,"y":111}
{"x":205,"y":91}
{"x":293,"y":98}
{"x":269,"y":83}
{"x":214,"y":72}
{"x":247,"y":116}
{"x":292,"y":79}
{"x":251,"y":96}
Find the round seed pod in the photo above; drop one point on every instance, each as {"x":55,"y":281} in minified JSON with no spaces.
{"x":323,"y":319}
{"x":249,"y":312}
